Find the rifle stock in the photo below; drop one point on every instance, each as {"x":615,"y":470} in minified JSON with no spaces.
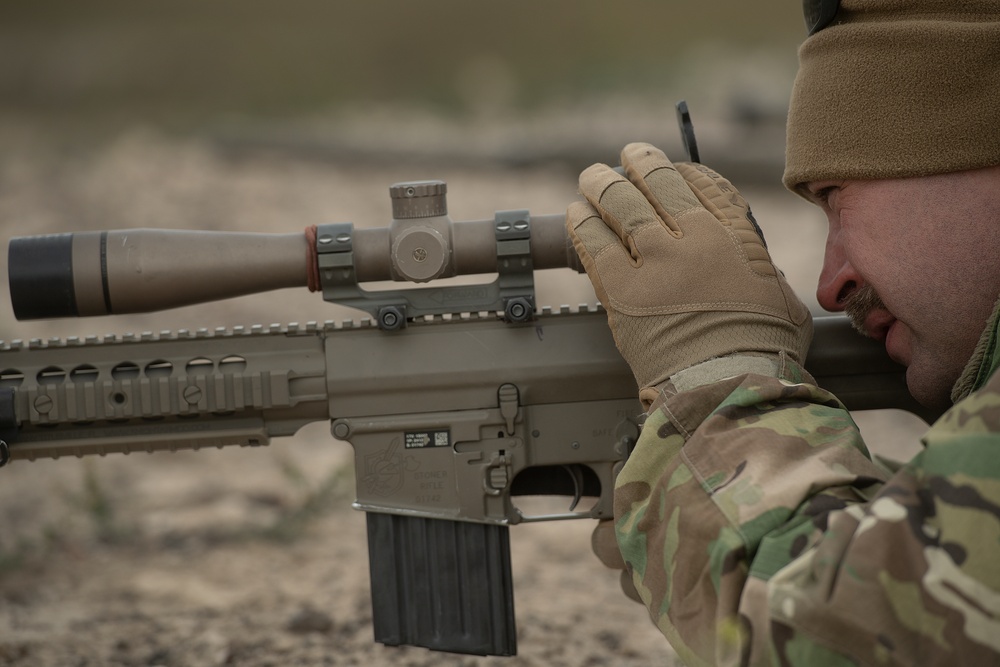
{"x":457,"y":401}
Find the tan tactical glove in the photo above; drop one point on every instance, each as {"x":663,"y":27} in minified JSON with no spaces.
{"x":604,"y":543}
{"x":675,"y":258}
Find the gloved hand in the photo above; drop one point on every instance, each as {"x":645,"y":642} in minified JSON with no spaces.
{"x":674,"y":255}
{"x":605,"y":547}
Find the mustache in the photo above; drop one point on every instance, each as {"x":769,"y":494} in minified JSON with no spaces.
{"x":859,"y":304}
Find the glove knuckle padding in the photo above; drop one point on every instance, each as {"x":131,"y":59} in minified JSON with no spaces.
{"x":718,"y":196}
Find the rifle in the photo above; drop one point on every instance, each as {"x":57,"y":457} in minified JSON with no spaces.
{"x":458,"y":400}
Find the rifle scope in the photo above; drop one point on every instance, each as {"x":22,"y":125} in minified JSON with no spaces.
{"x":143,"y":270}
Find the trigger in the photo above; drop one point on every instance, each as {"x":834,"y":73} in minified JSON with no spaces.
{"x":577,"y":477}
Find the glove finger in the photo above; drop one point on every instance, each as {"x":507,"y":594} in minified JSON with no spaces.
{"x":656,"y":177}
{"x":588,"y":231}
{"x":725,"y":202}
{"x":628,"y":586}
{"x":590,"y":237}
{"x":604,"y":543}
{"x":624,"y":209}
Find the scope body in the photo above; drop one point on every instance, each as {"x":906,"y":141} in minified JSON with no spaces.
{"x":143,"y":270}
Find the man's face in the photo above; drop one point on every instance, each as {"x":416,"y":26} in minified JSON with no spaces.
{"x":914,"y":263}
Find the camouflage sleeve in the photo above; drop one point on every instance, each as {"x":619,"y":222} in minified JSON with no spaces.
{"x":758,"y":531}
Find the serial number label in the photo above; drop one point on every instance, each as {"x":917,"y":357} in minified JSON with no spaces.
{"x":420,"y":439}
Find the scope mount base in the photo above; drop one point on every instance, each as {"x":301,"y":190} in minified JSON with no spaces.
{"x":512,"y":293}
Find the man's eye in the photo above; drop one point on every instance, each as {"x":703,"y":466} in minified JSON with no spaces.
{"x":823,"y":195}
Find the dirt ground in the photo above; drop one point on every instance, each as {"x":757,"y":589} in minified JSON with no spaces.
{"x":255,"y":557}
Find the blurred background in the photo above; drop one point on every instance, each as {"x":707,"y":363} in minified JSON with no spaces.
{"x":271,"y":116}
{"x":552,"y":80}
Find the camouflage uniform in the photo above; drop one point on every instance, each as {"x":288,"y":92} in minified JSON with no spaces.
{"x":759,"y":531}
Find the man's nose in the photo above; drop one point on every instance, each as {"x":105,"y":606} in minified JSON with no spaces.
{"x":839,"y":279}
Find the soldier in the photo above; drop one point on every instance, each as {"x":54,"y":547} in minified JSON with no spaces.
{"x":753,"y":523}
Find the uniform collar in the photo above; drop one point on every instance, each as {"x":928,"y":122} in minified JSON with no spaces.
{"x":984,"y":360}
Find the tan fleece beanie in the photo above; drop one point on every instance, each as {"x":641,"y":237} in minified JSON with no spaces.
{"x":896,"y":88}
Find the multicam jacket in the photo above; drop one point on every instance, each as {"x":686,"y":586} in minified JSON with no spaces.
{"x":759,"y":531}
